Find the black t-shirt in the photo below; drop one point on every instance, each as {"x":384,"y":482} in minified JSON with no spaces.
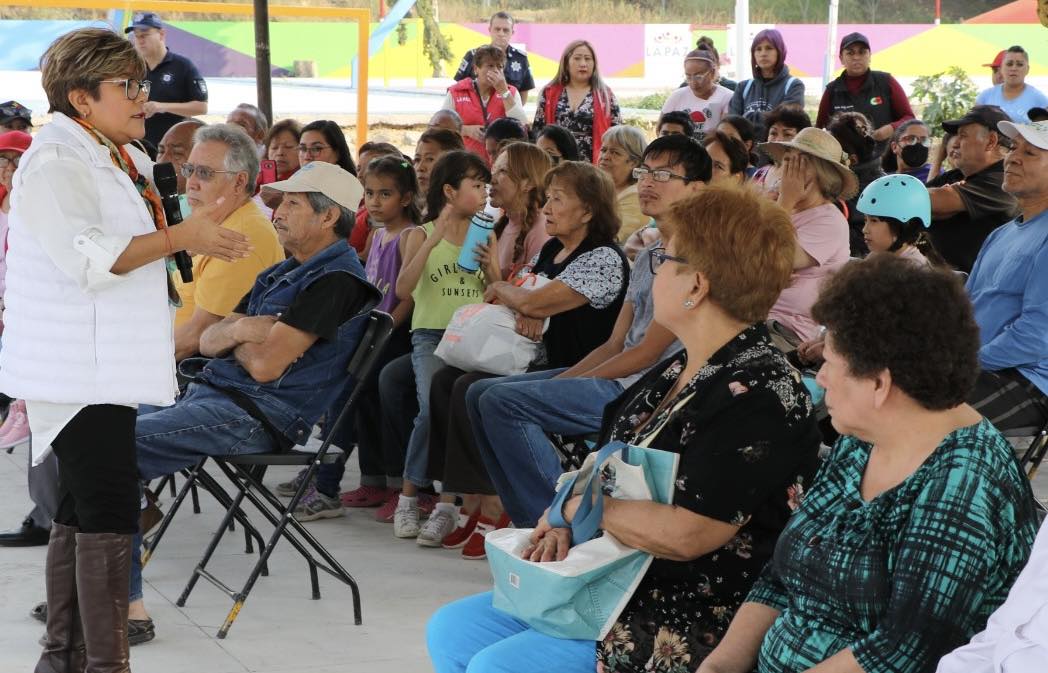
{"x":174,"y":80}
{"x":517,"y":70}
{"x":958,"y":238}
{"x":323,"y":305}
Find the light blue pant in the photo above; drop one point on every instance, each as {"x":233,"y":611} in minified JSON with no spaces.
{"x":425,"y":365}
{"x":469,"y":635}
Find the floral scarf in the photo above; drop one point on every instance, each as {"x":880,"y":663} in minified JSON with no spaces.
{"x":122,"y":160}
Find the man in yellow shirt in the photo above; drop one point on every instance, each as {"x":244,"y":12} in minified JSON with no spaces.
{"x":223,"y":165}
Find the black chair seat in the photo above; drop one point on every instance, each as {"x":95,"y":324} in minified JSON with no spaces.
{"x":283,"y":458}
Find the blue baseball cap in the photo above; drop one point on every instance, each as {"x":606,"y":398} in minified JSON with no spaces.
{"x":144,"y":20}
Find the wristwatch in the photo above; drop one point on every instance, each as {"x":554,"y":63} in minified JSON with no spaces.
{"x":505,"y":96}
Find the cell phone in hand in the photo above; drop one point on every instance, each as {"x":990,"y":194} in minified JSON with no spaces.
{"x":268,"y":171}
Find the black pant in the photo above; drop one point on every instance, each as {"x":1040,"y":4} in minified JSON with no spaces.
{"x":1008,"y":400}
{"x":98,"y":471}
{"x":454,"y":458}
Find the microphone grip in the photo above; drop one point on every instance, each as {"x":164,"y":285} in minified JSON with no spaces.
{"x":185,"y":266}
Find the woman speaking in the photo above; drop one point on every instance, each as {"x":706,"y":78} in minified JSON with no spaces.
{"x":88,"y":332}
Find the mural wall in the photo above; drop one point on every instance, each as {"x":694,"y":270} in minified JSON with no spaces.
{"x":653,"y":51}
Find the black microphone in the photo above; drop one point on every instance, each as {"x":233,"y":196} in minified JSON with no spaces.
{"x":167,"y":185}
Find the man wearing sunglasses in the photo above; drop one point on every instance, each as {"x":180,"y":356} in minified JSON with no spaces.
{"x":178,"y":91}
{"x":222,"y":165}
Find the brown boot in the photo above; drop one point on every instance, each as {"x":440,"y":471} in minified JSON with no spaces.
{"x":64,"y":640}
{"x":103,"y":571}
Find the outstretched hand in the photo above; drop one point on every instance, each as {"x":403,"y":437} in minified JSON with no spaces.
{"x":203,"y":234}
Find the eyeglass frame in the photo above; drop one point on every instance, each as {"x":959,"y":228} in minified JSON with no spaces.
{"x":204,"y":177}
{"x":6,"y":160}
{"x":662,"y":257}
{"x":312,"y":150}
{"x":143,"y":85}
{"x":914,"y":140}
{"x":641,"y":172}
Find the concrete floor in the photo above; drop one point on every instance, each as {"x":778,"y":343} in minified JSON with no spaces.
{"x":280,"y":630}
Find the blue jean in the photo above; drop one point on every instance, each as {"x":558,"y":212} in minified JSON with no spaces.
{"x":424,"y":364}
{"x":469,"y":635}
{"x":511,"y":417}
{"x":203,"y":422}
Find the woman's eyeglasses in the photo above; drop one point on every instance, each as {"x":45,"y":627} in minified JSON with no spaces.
{"x":132,"y":87}
{"x":9,"y":161}
{"x":312,"y":150}
{"x":658,"y":256}
{"x":914,"y":140}
{"x":203,"y":172}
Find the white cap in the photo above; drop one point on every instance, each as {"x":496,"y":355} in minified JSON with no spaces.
{"x":337,"y":184}
{"x":1035,"y":133}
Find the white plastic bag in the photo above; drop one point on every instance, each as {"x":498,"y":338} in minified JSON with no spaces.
{"x":483,"y":338}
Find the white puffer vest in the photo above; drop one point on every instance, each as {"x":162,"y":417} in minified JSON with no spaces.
{"x":63,"y":344}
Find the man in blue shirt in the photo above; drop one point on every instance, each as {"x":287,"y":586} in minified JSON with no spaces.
{"x":1009,"y":290}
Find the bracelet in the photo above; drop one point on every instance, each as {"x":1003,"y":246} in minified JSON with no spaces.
{"x":170,"y":248}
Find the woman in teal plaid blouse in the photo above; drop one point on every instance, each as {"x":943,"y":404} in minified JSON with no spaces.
{"x":919,"y":521}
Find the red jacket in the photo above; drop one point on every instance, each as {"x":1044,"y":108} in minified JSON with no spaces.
{"x":466,"y":98}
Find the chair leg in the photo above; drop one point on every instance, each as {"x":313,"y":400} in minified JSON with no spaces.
{"x":333,"y":566}
{"x":150,"y":545}
{"x":1037,"y":457}
{"x":225,"y":500}
{"x":215,"y":539}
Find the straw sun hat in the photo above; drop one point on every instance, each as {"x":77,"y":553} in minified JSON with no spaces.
{"x":821,"y":145}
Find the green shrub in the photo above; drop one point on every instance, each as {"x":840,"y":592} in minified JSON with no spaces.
{"x":945,"y":95}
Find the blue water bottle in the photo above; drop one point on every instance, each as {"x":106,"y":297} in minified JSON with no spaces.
{"x":480,"y":228}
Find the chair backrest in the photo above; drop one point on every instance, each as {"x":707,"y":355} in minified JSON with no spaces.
{"x":369,"y":349}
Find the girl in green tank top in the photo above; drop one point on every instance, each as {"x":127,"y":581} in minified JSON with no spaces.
{"x":430,"y":275}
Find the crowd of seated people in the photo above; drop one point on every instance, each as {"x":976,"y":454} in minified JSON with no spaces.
{"x":683,"y":275}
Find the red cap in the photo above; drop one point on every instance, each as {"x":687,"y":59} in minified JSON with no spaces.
{"x":15,"y":140}
{"x":997,"y":61}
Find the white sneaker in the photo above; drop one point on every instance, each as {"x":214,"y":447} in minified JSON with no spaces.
{"x":439,"y":525}
{"x":405,"y":521}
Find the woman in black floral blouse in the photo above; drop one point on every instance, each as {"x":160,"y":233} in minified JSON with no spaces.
{"x":737,"y":413}
{"x":578,"y":100}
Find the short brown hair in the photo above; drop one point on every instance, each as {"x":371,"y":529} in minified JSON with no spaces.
{"x":489,"y":53}
{"x":885,"y":312}
{"x":291,"y":126}
{"x":81,"y":59}
{"x":742,"y":242}
{"x":595,"y":189}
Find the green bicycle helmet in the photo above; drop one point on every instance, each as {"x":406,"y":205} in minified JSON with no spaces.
{"x":899,"y":196}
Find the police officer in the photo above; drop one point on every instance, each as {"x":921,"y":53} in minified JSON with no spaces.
{"x":873,"y":93}
{"x":517,"y":70}
{"x":178,"y":91}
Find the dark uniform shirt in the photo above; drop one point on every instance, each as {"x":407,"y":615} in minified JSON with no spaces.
{"x":174,"y":80}
{"x":987,"y":206}
{"x":517,"y":70}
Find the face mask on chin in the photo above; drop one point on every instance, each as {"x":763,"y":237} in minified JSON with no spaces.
{"x":915,"y":155}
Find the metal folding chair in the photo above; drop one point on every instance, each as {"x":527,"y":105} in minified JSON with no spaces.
{"x":1034,"y":454}
{"x":246,"y":473}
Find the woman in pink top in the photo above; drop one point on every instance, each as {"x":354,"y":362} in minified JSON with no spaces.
{"x":517,"y":180}
{"x":13,"y":145}
{"x":814,"y":175}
